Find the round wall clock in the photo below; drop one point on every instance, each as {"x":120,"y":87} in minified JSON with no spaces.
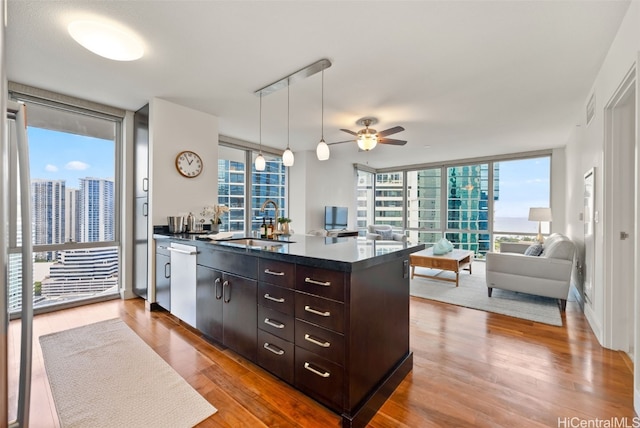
{"x":189,"y":164}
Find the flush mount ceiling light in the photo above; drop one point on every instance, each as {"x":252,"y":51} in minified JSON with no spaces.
{"x":106,"y":39}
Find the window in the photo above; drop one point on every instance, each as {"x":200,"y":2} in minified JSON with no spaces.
{"x":472,"y":205}
{"x":74,"y":187}
{"x":234,"y":187}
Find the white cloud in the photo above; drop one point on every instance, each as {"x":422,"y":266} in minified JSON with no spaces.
{"x":51,"y":168}
{"x":77,"y":166}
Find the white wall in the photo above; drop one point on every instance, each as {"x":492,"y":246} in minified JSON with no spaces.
{"x":584,"y":150}
{"x":172,"y":129}
{"x":315,"y":184}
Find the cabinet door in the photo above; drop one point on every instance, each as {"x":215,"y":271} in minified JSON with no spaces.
{"x":163,"y":281}
{"x":141,"y":152}
{"x":140,"y":243}
{"x":240,"y":318}
{"x":209,"y":302}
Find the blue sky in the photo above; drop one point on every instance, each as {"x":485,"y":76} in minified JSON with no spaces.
{"x":62,"y":156}
{"x":523,"y":184}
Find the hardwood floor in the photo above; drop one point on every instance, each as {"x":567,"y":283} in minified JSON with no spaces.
{"x":471,"y":368}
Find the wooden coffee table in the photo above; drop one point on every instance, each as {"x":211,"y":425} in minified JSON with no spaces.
{"x":453,"y":261}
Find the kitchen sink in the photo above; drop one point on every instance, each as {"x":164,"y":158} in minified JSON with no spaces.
{"x":254,"y":242}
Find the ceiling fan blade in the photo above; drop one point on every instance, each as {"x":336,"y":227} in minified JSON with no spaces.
{"x":340,"y":142}
{"x":392,"y":141}
{"x":390,"y":131}
{"x":349,"y":131}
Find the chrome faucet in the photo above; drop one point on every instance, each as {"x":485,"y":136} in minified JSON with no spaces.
{"x":274,"y":205}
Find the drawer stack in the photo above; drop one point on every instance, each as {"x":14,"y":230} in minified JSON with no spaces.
{"x":276,"y":318}
{"x":319,"y":334}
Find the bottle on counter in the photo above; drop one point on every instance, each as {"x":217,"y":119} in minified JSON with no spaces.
{"x":270,"y":229}
{"x":191,"y":221}
{"x":263,"y":228}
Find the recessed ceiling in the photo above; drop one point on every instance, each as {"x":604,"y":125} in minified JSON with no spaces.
{"x":464,"y":78}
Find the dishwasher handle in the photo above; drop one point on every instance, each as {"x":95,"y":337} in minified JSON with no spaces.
{"x":178,"y":250}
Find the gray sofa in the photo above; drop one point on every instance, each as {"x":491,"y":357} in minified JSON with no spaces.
{"x":548,"y":274}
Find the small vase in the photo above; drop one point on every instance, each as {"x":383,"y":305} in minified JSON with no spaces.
{"x":215,"y":228}
{"x":284,"y":228}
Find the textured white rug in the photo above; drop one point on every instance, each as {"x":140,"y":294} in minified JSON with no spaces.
{"x":472,"y":293}
{"x":104,"y":375}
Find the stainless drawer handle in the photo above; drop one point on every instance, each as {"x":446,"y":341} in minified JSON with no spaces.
{"x":313,"y":311}
{"x":313,"y":281}
{"x":274,"y":299}
{"x":314,"y":371}
{"x":316,"y":342}
{"x":270,"y":272}
{"x":275,"y":324}
{"x":270,"y":348}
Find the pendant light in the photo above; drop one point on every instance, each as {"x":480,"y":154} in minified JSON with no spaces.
{"x":260,"y":162}
{"x":322,"y":150}
{"x":287,"y":156}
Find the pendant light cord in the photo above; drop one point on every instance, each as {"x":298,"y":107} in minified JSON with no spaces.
{"x":260,"y":127}
{"x":322,"y":109}
{"x":288,"y":113}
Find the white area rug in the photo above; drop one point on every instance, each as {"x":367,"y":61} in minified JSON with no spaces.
{"x":472,"y":293}
{"x":104,"y":375}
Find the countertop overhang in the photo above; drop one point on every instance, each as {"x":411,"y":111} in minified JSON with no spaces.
{"x":346,"y":254}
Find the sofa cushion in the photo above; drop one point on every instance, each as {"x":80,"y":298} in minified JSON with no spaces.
{"x":384,"y":233}
{"x":560,"y":247}
{"x":534,"y":250}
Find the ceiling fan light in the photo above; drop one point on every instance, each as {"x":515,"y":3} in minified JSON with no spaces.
{"x":107,"y":40}
{"x":322,"y":151}
{"x":260,"y":163}
{"x":287,"y":157}
{"x":367,"y":141}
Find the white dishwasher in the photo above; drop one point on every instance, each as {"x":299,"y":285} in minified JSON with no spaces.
{"x":183,"y":282}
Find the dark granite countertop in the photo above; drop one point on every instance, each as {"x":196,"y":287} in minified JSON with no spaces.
{"x":345,"y":254}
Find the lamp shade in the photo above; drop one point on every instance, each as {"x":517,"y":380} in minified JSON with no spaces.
{"x":287,"y":157}
{"x":539,"y":214}
{"x":322,"y":151}
{"x":367,"y":141}
{"x":260,"y":163}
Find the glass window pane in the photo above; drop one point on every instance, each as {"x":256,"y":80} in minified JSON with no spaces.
{"x":523,"y":183}
{"x":270,"y":184}
{"x":423,"y":202}
{"x":389,"y":193}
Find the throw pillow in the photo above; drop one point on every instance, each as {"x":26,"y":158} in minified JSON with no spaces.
{"x":534,"y":250}
{"x":385,"y":233}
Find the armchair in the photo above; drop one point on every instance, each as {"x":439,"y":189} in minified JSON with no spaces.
{"x":547,"y":275}
{"x":384,"y":232}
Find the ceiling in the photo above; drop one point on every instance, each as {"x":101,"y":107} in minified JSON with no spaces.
{"x":464,"y":78}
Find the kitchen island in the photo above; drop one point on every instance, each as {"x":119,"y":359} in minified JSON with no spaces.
{"x":330,"y":316}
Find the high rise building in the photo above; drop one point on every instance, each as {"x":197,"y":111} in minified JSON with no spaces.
{"x":48,"y":201}
{"x":95,"y":212}
{"x":71,"y":215}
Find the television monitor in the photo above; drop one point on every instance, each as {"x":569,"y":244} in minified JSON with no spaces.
{"x":335,"y":217}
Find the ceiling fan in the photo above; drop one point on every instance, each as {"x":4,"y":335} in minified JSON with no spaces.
{"x":368,"y":138}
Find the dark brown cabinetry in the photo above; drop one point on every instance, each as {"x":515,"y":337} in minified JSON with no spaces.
{"x":226,"y":303}
{"x":163,"y":276}
{"x":276,"y":318}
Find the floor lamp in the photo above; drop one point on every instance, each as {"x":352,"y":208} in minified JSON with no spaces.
{"x":540,"y":215}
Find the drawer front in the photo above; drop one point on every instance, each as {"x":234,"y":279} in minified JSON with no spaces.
{"x":322,"y":282}
{"x":238,"y":264}
{"x":319,"y":378}
{"x":276,"y":355}
{"x":276,"y":323}
{"x":323,"y":312}
{"x":161,"y":247}
{"x":325,"y":343}
{"x":278,"y":273}
{"x":278,"y":298}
